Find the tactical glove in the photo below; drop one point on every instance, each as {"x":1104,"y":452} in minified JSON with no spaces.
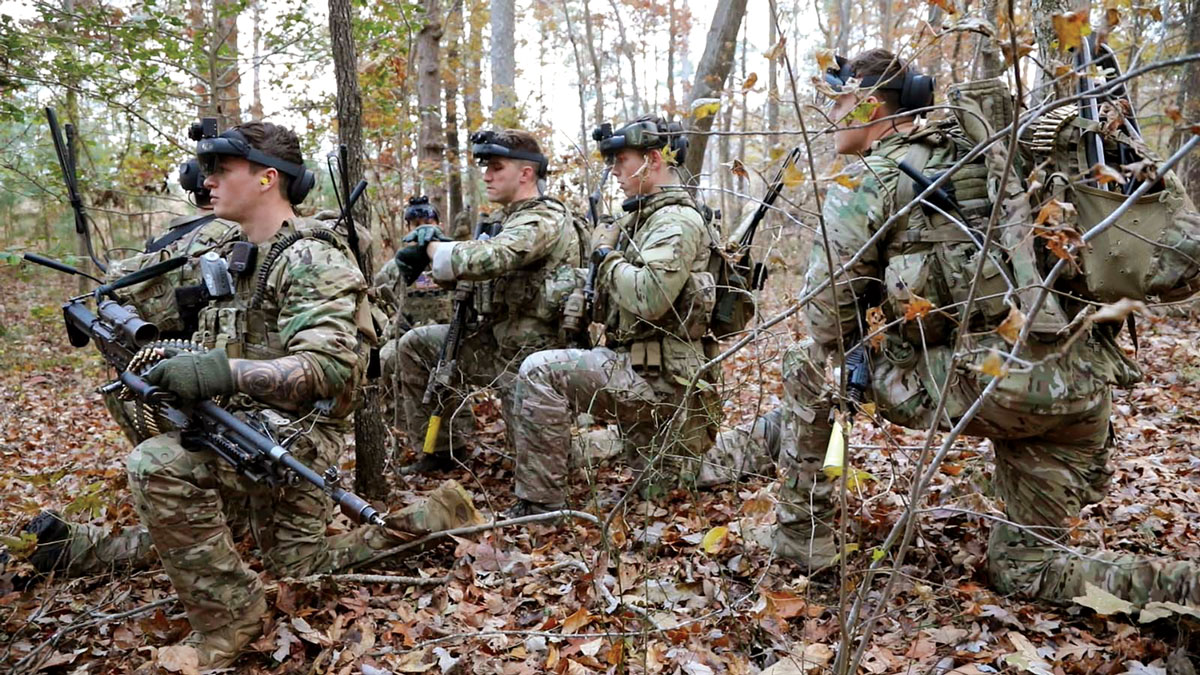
{"x":411,"y":260}
{"x":424,"y":234}
{"x":605,"y":235}
{"x":194,"y":376}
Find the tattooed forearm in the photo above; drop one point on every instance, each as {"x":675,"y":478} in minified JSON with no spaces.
{"x":290,"y":380}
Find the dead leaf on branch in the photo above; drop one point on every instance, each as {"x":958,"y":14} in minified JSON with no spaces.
{"x":777,"y":50}
{"x":1071,"y":28}
{"x":792,"y":176}
{"x":918,"y":308}
{"x":993,"y":364}
{"x":738,"y":169}
{"x":825,"y":59}
{"x":749,"y":83}
{"x":1010,"y":328}
{"x":1105,"y":174}
{"x":1118,"y":311}
{"x":876,"y":320}
{"x":947,"y":5}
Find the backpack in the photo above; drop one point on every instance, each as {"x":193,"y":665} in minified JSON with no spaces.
{"x":1152,"y":252}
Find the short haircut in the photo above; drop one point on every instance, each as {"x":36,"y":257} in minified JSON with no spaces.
{"x":277,"y":141}
{"x":521,"y":141}
{"x":889,"y":69}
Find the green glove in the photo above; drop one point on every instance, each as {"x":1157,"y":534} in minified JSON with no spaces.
{"x":194,"y":375}
{"x":424,"y":234}
{"x":411,"y":260}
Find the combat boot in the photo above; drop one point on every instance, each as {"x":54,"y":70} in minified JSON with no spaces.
{"x":221,"y":647}
{"x":432,"y":462}
{"x":446,"y":508}
{"x":53,"y":536}
{"x":524,"y":507}
{"x":811,"y":550}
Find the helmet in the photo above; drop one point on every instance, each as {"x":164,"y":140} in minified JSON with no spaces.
{"x":644,"y":134}
{"x":419,"y":207}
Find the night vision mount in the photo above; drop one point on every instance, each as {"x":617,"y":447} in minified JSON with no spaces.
{"x":232,"y":143}
{"x":649,"y":134}
{"x":486,"y":144}
{"x":419,"y":207}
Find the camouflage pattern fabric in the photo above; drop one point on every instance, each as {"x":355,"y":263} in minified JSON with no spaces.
{"x":1048,"y":420}
{"x":424,"y":303}
{"x":523,"y":276}
{"x":649,"y":288}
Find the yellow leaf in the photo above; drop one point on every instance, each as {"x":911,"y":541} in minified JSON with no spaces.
{"x":847,"y":181}
{"x":576,"y":621}
{"x":855,"y":479}
{"x":825,"y":60}
{"x":1071,"y":28}
{"x":714,"y":540}
{"x":706,"y":107}
{"x":835,"y":451}
{"x":1010,"y":328}
{"x":671,"y":157}
{"x":750,"y":80}
{"x":776,"y":50}
{"x":993,"y":364}
{"x":792,"y":177}
{"x":863,"y":111}
{"x":20,"y":546}
{"x":918,"y":308}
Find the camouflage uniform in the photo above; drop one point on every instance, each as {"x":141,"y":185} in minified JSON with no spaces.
{"x":422,"y":304}
{"x":1048,"y":421}
{"x":656,"y":297}
{"x":312,"y":306}
{"x":522,"y":277}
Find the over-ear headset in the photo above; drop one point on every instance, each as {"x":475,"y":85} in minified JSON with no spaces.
{"x":916,"y":90}
{"x":234,"y":144}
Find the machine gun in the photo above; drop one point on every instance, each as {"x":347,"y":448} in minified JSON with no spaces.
{"x":447,"y":363}
{"x":129,"y":344}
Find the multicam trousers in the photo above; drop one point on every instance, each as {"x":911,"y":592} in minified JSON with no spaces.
{"x":1049,"y":427}
{"x":554,"y":386}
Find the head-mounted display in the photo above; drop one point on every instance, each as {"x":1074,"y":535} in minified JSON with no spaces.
{"x":641,"y":135}
{"x":191,"y":179}
{"x":486,"y":144}
{"x":232,"y":143}
{"x":419,"y":207}
{"x":916,"y":90}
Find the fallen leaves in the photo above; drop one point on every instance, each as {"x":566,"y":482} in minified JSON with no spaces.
{"x":1102,"y":602}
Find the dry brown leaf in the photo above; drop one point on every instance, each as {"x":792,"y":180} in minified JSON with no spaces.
{"x":776,"y":50}
{"x":1118,"y":311}
{"x":738,"y":169}
{"x":825,"y":60}
{"x":784,"y":605}
{"x":1071,"y":28}
{"x":576,"y":621}
{"x":1053,"y":212}
{"x":1174,"y":113}
{"x":947,"y":5}
{"x":180,"y":659}
{"x":1010,"y":328}
{"x":1104,"y":174}
{"x":916,"y":309}
{"x":749,"y":83}
{"x":1112,"y":16}
{"x":875,"y":322}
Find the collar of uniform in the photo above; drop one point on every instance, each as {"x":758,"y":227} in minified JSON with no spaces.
{"x":519,"y":206}
{"x":665,"y":192}
{"x":882,"y":145}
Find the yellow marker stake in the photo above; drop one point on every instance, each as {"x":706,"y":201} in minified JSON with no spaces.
{"x":435,"y":423}
{"x":835,"y":454}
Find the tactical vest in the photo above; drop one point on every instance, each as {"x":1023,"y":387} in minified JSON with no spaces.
{"x":934,"y":253}
{"x":533,"y":297}
{"x":246,"y":325}
{"x":693,"y":307}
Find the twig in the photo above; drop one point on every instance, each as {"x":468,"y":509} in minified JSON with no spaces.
{"x":370,"y":579}
{"x":471,"y":529}
{"x":24,"y":665}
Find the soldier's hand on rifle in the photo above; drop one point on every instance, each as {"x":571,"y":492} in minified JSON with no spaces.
{"x":194,"y":376}
{"x":605,"y":235}
{"x":424,"y":234}
{"x":412,"y":260}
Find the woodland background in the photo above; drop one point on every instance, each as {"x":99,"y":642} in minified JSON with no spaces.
{"x":683,"y":584}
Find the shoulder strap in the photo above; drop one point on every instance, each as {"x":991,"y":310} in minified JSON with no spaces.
{"x":179,"y":232}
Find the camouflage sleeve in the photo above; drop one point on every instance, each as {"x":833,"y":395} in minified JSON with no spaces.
{"x":526,"y":238}
{"x":318,"y":290}
{"x":649,"y":289}
{"x":852,"y":215}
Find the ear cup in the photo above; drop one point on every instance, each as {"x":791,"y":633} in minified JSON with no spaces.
{"x":678,"y":142}
{"x":301,"y":186}
{"x":917,"y":92}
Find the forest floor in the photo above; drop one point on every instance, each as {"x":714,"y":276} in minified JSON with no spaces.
{"x":694,"y":588}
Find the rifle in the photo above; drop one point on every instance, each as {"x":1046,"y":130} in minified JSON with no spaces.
{"x":577,"y":313}
{"x":744,"y":234}
{"x":125,"y":340}
{"x":65,"y":152}
{"x":447,"y":363}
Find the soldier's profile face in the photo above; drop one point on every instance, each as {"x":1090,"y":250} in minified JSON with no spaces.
{"x":235,"y":186}
{"x":503,"y":180}
{"x":630,"y":167}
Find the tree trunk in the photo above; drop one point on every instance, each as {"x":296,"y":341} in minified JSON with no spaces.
{"x":627,"y":50}
{"x":370,"y":433}
{"x":671,"y":57}
{"x":472,"y":103}
{"x":842,"y":46}
{"x":583,"y":130}
{"x":1049,"y":55}
{"x":432,"y":150}
{"x":1190,"y":104}
{"x":741,"y":148}
{"x":256,"y":108}
{"x":504,"y":64}
{"x":773,"y":90}
{"x":454,"y":32}
{"x":225,"y":73}
{"x":598,"y":79}
{"x":713,"y":71}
